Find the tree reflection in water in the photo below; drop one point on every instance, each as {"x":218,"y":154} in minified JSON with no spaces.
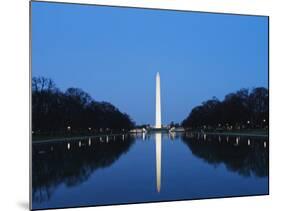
{"x":248,"y":156}
{"x":72,"y":163}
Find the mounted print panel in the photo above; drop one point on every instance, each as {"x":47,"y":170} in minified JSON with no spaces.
{"x":135,"y":105}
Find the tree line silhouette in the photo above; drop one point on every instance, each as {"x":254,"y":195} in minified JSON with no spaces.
{"x":72,"y":111}
{"x":243,"y":109}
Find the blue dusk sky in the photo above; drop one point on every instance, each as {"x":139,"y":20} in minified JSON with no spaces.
{"x":114,"y":54}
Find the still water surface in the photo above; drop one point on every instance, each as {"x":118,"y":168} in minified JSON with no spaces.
{"x":147,"y":167}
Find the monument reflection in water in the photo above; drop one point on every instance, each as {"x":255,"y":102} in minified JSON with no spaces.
{"x":158,"y":140}
{"x":147,"y":167}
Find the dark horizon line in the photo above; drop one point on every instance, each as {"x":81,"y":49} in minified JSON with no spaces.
{"x":147,"y":123}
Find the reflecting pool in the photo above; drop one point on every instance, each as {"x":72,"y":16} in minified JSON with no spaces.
{"x":129,"y":168}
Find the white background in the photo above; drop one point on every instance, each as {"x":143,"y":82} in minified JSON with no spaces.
{"x":14,"y":104}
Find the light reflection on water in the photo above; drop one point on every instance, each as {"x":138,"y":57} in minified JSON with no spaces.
{"x":121,"y":169}
{"x":158,"y":140}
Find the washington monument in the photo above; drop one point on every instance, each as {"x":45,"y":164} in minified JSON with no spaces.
{"x":158,"y":102}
